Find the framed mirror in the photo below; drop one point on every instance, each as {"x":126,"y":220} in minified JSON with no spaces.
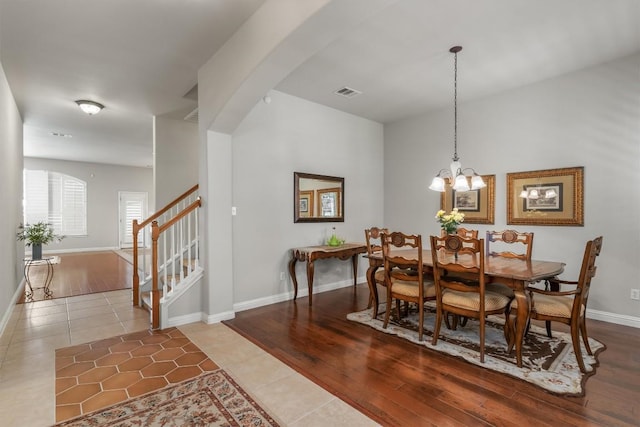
{"x":317,"y":198}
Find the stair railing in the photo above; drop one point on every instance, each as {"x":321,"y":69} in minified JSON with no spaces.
{"x":143,"y":230}
{"x":176,"y":244}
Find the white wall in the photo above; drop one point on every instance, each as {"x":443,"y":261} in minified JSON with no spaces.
{"x":11,"y":252}
{"x":589,"y":118}
{"x":175,"y":158}
{"x":274,"y":140}
{"x":103,"y":184}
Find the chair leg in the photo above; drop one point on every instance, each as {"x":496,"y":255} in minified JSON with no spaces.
{"x":436,"y":327}
{"x":512,"y":331}
{"x":388,"y":310}
{"x":481,"y":339}
{"x":548,"y":324}
{"x":398,"y":309}
{"x":585,"y":337}
{"x":575,"y":339}
{"x":507,"y":329}
{"x":421,"y":321}
{"x":450,"y":324}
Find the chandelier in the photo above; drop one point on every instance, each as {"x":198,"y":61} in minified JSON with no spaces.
{"x":456,"y":175}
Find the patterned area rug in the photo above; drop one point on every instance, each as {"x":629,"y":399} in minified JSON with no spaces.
{"x":549,"y":363}
{"x":212,"y":399}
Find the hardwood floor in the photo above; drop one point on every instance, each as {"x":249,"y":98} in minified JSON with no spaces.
{"x":83,"y":273}
{"x":400,"y":384}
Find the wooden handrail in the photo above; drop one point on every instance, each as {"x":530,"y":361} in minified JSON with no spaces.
{"x":167,"y":207}
{"x":182,"y":214}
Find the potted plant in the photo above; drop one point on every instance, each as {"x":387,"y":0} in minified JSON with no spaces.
{"x":36,"y":235}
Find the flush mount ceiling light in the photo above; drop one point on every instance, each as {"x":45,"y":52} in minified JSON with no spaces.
{"x":89,"y":107}
{"x":456,"y":174}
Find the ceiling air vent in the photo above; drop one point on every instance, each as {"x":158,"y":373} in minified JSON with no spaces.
{"x":192,"y":116}
{"x":347,"y":92}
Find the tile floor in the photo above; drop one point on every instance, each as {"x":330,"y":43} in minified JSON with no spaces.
{"x":102,"y":373}
{"x":35,"y":330}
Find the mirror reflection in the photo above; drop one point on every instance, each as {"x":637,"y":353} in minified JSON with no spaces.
{"x":318,"y":198}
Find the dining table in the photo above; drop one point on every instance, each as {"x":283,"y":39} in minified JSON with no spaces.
{"x":513,"y":272}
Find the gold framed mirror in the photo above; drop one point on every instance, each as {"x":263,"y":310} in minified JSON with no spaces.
{"x":317,"y":198}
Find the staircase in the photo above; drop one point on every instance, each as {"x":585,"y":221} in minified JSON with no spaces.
{"x":171,"y":238}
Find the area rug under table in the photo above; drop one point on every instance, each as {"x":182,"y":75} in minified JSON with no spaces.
{"x":212,"y":399}
{"x":549,"y":363}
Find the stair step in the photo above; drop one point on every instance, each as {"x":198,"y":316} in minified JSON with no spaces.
{"x":146,"y":298}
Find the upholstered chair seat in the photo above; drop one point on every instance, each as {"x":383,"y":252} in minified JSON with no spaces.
{"x":471,"y":300}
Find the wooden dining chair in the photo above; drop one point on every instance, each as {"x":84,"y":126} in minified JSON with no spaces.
{"x":568,"y":306}
{"x":509,"y":244}
{"x":455,"y":257}
{"x":373,"y":238}
{"x":404,"y":275}
{"x":467,"y":233}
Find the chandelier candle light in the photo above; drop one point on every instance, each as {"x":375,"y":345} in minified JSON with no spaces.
{"x":456,"y":174}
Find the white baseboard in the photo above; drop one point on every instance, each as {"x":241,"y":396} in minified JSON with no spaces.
{"x":303,"y":291}
{"x":79,"y":250}
{"x":12,"y":305}
{"x":618,"y":319}
{"x":185,"y":319}
{"x":218,"y":317}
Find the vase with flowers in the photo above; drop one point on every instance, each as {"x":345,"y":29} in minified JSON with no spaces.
{"x":449,"y":222}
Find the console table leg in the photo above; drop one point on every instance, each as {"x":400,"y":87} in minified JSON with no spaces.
{"x":292,"y":273}
{"x":354,"y":261}
{"x":310,"y":279}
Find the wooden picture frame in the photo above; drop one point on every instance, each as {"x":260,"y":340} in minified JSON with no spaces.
{"x":478,"y":206}
{"x":329,"y":202}
{"x":307,"y":204}
{"x":546,"y":197}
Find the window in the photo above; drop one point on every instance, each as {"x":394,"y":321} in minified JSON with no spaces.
{"x":56,"y":198}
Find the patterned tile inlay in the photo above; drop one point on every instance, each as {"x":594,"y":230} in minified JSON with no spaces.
{"x":101,"y":373}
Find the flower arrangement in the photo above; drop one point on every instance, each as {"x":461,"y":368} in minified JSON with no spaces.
{"x":449,"y":221}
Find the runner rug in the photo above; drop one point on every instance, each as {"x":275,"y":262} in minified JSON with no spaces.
{"x":549,"y":363}
{"x":212,"y":399}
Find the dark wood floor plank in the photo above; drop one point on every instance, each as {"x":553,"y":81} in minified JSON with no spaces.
{"x":396,"y":382}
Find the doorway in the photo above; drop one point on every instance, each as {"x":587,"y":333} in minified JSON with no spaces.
{"x":132,"y":205}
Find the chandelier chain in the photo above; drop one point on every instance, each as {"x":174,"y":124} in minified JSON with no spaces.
{"x":455,"y":107}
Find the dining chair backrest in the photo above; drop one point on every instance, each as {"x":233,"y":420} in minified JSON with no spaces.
{"x":467,"y":234}
{"x":463,"y":232}
{"x":455,"y":257}
{"x":402,"y":265}
{"x":373,"y":237}
{"x":587,"y":272}
{"x":509,"y":244}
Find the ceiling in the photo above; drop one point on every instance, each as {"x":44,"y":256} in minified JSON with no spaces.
{"x":140,"y":58}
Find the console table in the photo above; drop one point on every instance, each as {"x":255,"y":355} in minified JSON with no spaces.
{"x":49,"y":262}
{"x":312,"y":253}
